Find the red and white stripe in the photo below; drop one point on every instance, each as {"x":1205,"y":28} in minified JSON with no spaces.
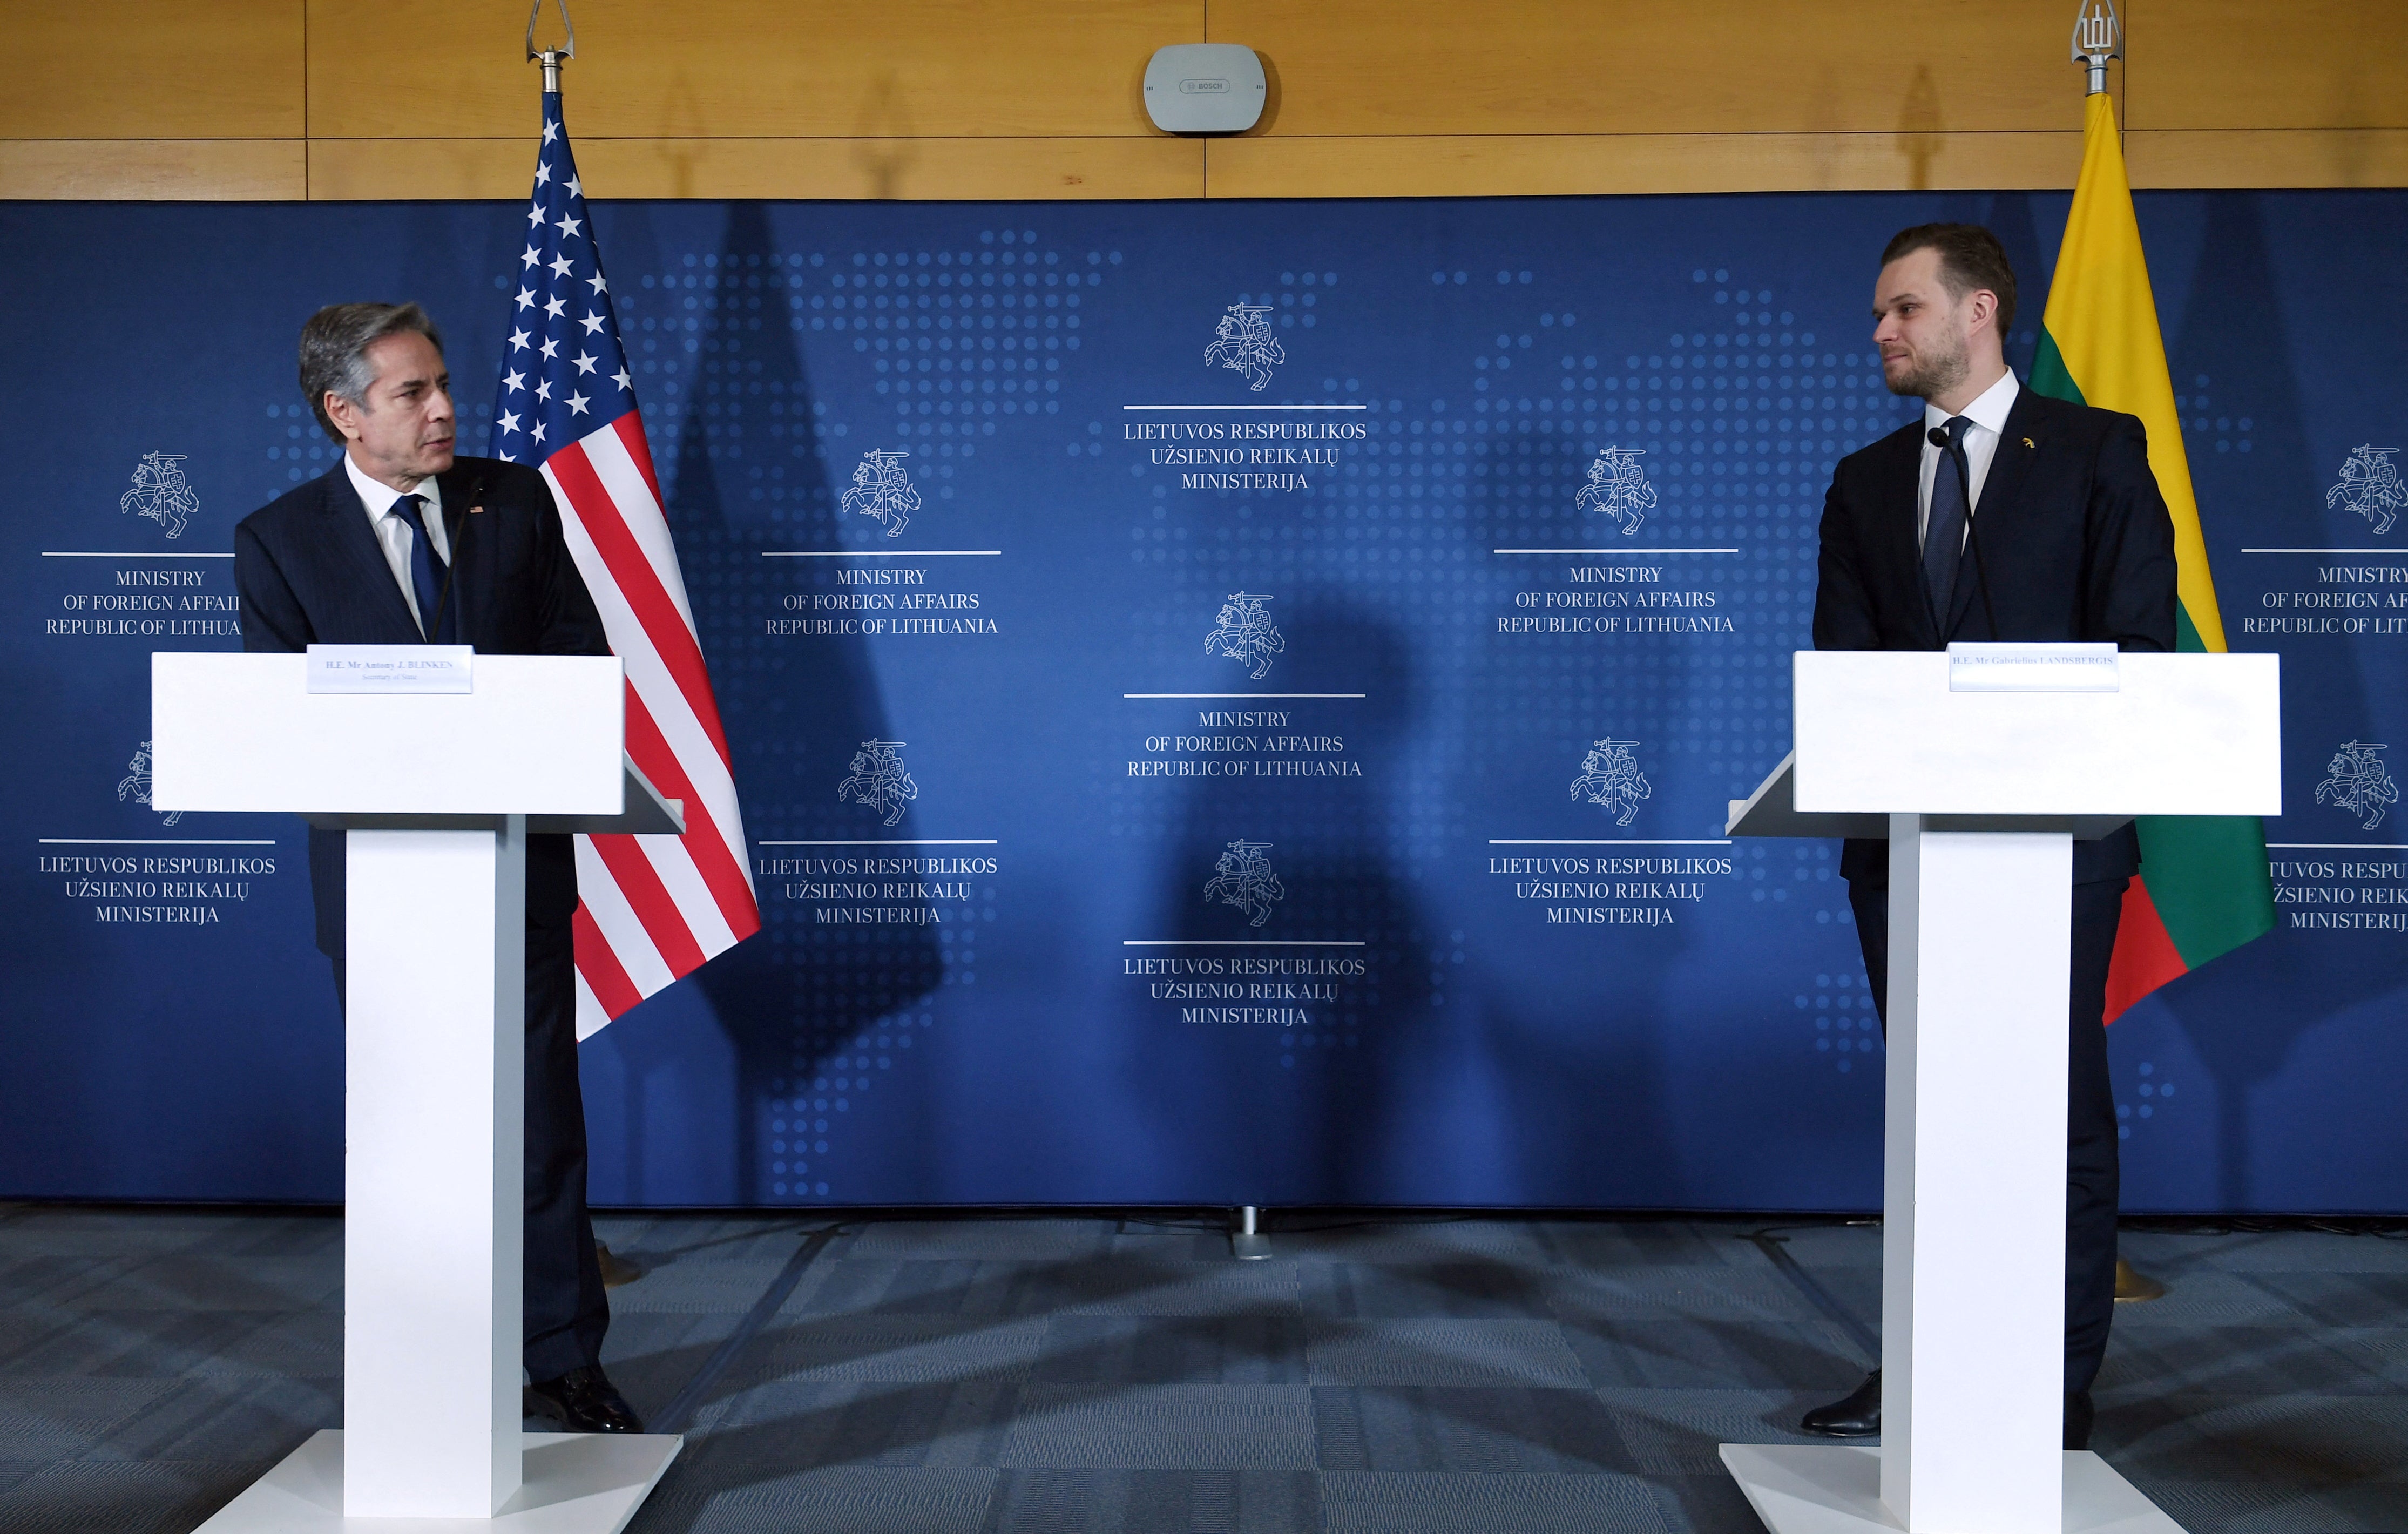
{"x":650,"y":909}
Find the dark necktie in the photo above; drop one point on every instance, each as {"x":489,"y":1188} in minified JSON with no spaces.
{"x":1943,"y":531}
{"x":426,"y":573}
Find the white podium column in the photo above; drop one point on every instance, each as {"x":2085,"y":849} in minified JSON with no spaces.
{"x":2003,"y":778}
{"x":1973,"y":1238}
{"x":434,"y":1187}
{"x":436,"y":1040}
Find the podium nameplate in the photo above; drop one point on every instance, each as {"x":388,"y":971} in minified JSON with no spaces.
{"x":391,"y":669}
{"x":2006,"y":668}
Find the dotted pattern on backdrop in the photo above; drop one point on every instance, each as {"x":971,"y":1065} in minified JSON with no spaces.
{"x":959,"y":339}
{"x":2230,"y":434}
{"x":1840,"y":1010}
{"x":2146,"y":1092}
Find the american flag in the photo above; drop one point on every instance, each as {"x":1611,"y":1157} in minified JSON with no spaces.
{"x":650,"y":909}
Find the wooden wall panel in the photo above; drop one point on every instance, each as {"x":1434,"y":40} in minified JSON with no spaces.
{"x":154,"y":169}
{"x":2268,"y":157}
{"x":1547,"y":67}
{"x":1565,"y":165}
{"x":932,"y":170}
{"x":754,"y":68}
{"x":2246,"y":64}
{"x":153,"y":69}
{"x":1040,"y":98}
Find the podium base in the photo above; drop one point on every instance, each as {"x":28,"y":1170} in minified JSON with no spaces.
{"x":1806,"y":1488}
{"x":576,"y":1483}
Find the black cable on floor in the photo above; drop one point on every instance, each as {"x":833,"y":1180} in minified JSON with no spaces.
{"x":1776,"y":1247}
{"x":672,"y":1417}
{"x":2388,"y":1227}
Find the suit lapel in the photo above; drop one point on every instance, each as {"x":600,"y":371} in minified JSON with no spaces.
{"x":1996,"y":512}
{"x":463,"y":499}
{"x":359,"y":559}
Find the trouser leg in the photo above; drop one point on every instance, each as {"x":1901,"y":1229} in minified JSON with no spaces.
{"x":567,"y":1309}
{"x":2091,"y":1165}
{"x":1869,"y":902}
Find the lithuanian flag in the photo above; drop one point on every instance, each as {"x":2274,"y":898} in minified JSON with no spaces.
{"x":2204,"y":887}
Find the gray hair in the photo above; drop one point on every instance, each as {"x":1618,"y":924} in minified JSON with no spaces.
{"x":333,"y":351}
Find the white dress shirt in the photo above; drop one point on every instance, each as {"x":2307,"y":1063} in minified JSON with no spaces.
{"x":393,"y":535}
{"x":1985,"y":418}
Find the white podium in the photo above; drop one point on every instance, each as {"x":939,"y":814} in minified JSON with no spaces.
{"x":1982,"y":794}
{"x":436,"y":794}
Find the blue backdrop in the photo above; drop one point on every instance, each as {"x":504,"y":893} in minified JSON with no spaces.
{"x":1162,"y":791}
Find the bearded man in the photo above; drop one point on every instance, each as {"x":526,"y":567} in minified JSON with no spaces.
{"x":2002,"y":515}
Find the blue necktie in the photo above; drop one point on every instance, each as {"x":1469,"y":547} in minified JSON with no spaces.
{"x":426,"y":577}
{"x":1943,"y":531}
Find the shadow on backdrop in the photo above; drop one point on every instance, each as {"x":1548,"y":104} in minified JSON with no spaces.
{"x":752,"y":476}
{"x":2233,"y":336}
{"x":1590,"y":1110}
{"x":1299,"y":1087}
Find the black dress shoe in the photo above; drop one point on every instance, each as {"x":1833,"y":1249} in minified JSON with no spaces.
{"x":2078,"y":1415}
{"x":1857,"y":1416}
{"x":585,"y":1401}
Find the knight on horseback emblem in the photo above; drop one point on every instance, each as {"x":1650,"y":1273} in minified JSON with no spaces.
{"x":160,"y":493}
{"x":881,"y":489}
{"x":1246,"y":345}
{"x":1244,"y":879}
{"x":1245,"y":634}
{"x":879,"y":779}
{"x":1618,"y":487}
{"x":1610,"y":778}
{"x":135,"y":784}
{"x":2370,"y":486}
{"x":2356,"y":780}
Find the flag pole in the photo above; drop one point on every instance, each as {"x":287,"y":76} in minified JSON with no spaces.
{"x":2098,"y":36}
{"x":615,"y":1271}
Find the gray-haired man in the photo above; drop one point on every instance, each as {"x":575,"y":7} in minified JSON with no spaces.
{"x":406,"y":543}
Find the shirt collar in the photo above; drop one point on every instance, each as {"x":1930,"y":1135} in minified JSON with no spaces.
{"x":378,"y":497}
{"x":1989,"y":409}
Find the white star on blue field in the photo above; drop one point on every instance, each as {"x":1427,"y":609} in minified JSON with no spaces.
{"x":565,"y":372}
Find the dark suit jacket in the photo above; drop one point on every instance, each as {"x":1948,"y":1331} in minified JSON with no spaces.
{"x":2074,"y":537}
{"x":310,"y":571}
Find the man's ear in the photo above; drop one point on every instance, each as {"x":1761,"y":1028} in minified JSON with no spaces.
{"x":1985,"y":306}
{"x":344,"y":414}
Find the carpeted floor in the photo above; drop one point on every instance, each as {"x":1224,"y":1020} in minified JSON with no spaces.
{"x":1030,"y":1375}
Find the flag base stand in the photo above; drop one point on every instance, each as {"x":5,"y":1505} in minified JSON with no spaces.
{"x":2132,"y":1286}
{"x":1246,"y":1242}
{"x":616,"y":1270}
{"x":575,"y":1483}
{"x":1806,"y":1488}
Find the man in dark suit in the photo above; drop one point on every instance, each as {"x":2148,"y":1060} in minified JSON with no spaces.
{"x":403,"y":542}
{"x":2002,"y":515}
